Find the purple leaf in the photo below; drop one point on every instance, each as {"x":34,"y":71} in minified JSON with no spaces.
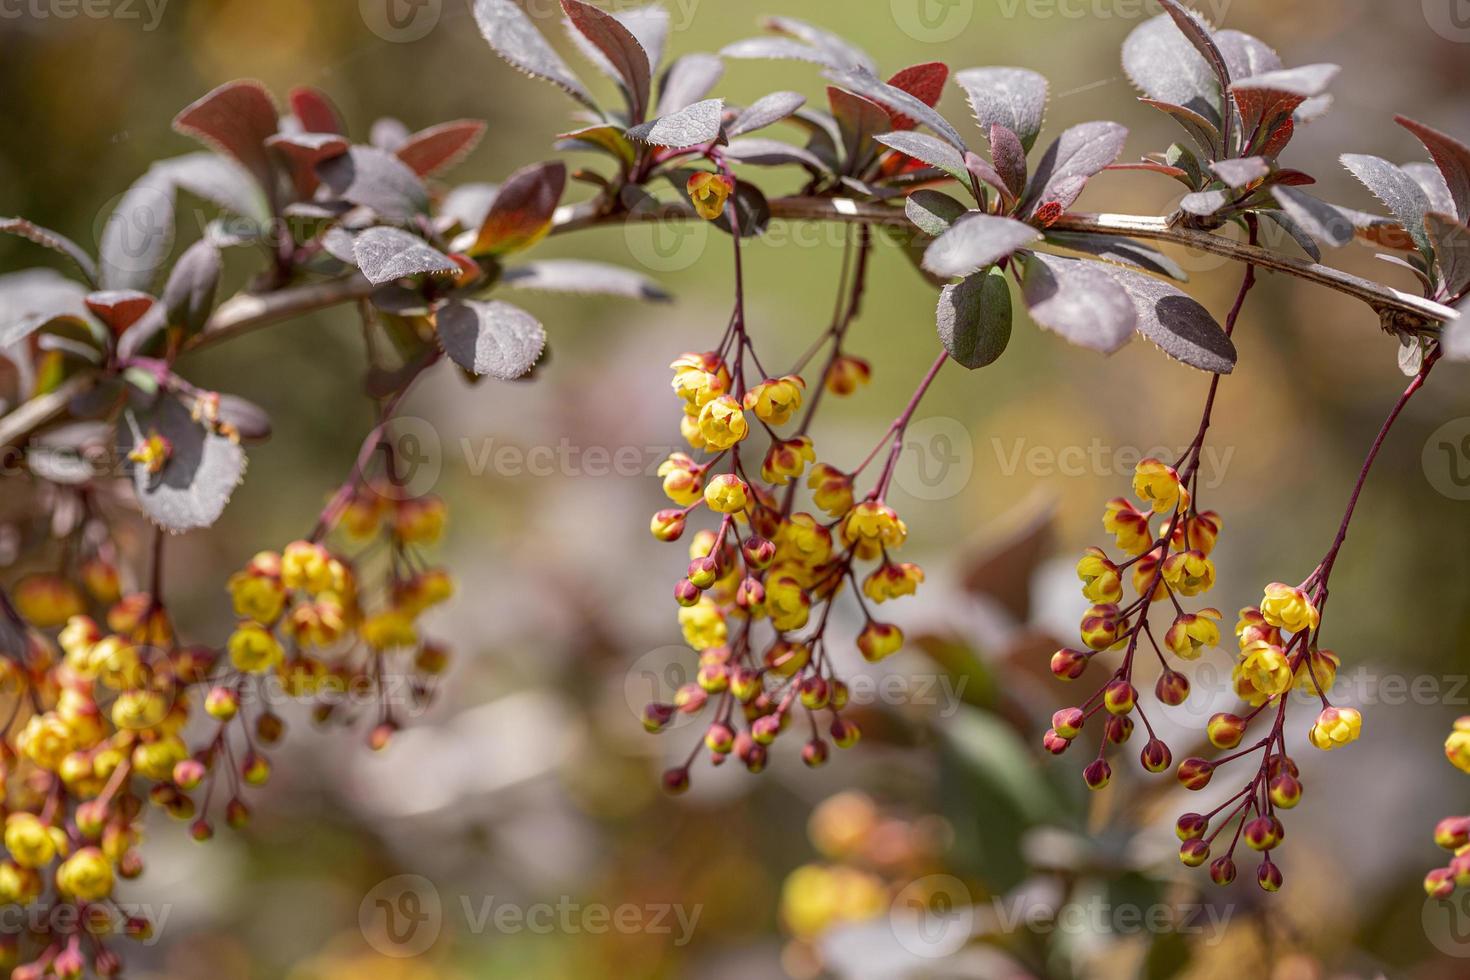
{"x":1431,"y":182}
{"x":976,"y":241}
{"x":1267,"y":101}
{"x":1176,"y":323}
{"x":688,"y":80}
{"x":493,"y":338}
{"x":691,"y":126}
{"x":1011,"y":97}
{"x":974,"y":318}
{"x":1203,"y":131}
{"x":928,"y":149}
{"x":1204,"y":203}
{"x":440,"y":147}
{"x":218,"y":180}
{"x":388,"y":134}
{"x":583,"y":279}
{"x":1326,"y":223}
{"x":621,"y":49}
{"x":188,"y":296}
{"x":859,"y":120}
{"x":772,"y":153}
{"x":522,"y":211}
{"x":764,"y":111}
{"x":315,"y":111}
{"x":1451,"y":156}
{"x":385,"y":254}
{"x":604,"y":138}
{"x":1245,"y":55}
{"x":511,"y":35}
{"x":1451,"y":251}
{"x":1078,"y":154}
{"x":840,"y":52}
{"x":982,"y":171}
{"x":1198,"y":33}
{"x":202,"y":471}
{"x":138,"y":234}
{"x":1167,"y":67}
{"x":118,"y":309}
{"x":779,"y":49}
{"x":1124,"y":251}
{"x":235,"y":119}
{"x":303,"y":151}
{"x":1398,"y":192}
{"x":375,"y":179}
{"x":1079,"y":301}
{"x":1009,"y":155}
{"x":47,"y":238}
{"x":896,"y":100}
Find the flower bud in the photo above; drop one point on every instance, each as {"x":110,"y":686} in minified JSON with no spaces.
{"x":201,"y":830}
{"x":1172,"y":688}
{"x":814,"y":753}
{"x":1268,"y":876}
{"x":845,"y":734}
{"x":1156,"y":756}
{"x":269,"y":728}
{"x":1097,"y":774}
{"x":1068,"y":722}
{"x":1117,"y":729}
{"x":719,"y":738}
{"x":814,"y":693}
{"x":1054,"y":743}
{"x":667,"y":525}
{"x":1068,"y":665}
{"x":1452,"y":833}
{"x":1120,"y":697}
{"x":758,"y":551}
{"x":714,"y":678}
{"x":237,"y":814}
{"x":1191,"y":825}
{"x":1194,"y":852}
{"x":255,"y":768}
{"x":879,"y":640}
{"x":1225,"y":730}
{"x":686,"y":593}
{"x":381,"y":735}
{"x":188,"y":773}
{"x":765,"y":728}
{"x":704,"y":572}
{"x":1222,"y":870}
{"x":1286,"y":791}
{"x":222,"y":703}
{"x":1260,"y":834}
{"x":676,"y":781}
{"x":1195,"y":773}
{"x":656,"y":716}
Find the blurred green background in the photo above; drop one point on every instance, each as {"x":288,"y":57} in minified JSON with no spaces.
{"x":531,"y":782}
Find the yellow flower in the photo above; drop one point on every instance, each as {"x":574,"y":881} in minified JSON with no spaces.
{"x":422,"y":591}
{"x":253,"y":649}
{"x":786,"y":459}
{"x":1197,"y":531}
{"x":305,"y":565}
{"x":708,"y":192}
{"x":816,"y":898}
{"x":47,"y":601}
{"x":1317,"y":672}
{"x":683,"y":480}
{"x":800,"y":539}
{"x":1252,"y":626}
{"x":787,"y":603}
{"x":1336,"y":726}
{"x":138,"y":710}
{"x":847,"y":374}
{"x":1288,"y":608}
{"x":1101,"y":580}
{"x":152,"y":453}
{"x":1157,"y":484}
{"x":18,"y":885}
{"x":1189,"y":573}
{"x":872,"y":526}
{"x":722,"y":424}
{"x":256,"y":590}
{"x":831,"y":489}
{"x":726,"y":494}
{"x":156,"y":760}
{"x":364,"y":513}
{"x":703,"y":624}
{"x":1262,"y":673}
{"x":420,"y":520}
{"x":45,"y":740}
{"x":86,"y":875}
{"x":1192,"y":632}
{"x":1457,"y":746}
{"x":699,"y":378}
{"x":77,"y":638}
{"x":889,"y":581}
{"x":879,"y":640}
{"x":1128,"y":526}
{"x":101,"y":580}
{"x":774,"y":401}
{"x":28,"y":840}
{"x":389,"y":630}
{"x":689,"y":429}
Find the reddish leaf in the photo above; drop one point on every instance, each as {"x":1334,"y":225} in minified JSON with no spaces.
{"x":619,"y":46}
{"x":303,"y":151}
{"x":1451,"y":156}
{"x":924,"y":82}
{"x":522,"y":211}
{"x":235,"y":119}
{"x":55,"y":241}
{"x":441,"y":147}
{"x":315,"y":112}
{"x":118,"y":308}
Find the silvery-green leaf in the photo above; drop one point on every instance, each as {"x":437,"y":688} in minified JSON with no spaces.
{"x":511,"y":34}
{"x":1325,"y":223}
{"x":690,"y":126}
{"x":974,"y":318}
{"x":1451,"y":251}
{"x":1399,"y":193}
{"x":376,"y":179}
{"x":491,"y":337}
{"x":764,"y":111}
{"x":385,"y":254}
{"x":201,"y":473}
{"x":933,"y":212}
{"x":928,"y":149}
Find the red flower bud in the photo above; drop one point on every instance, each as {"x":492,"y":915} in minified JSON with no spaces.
{"x":1225,"y":730}
{"x":1268,"y":876}
{"x":1068,"y":665}
{"x":1156,"y":756}
{"x":1222,"y":870}
{"x":1195,"y":773}
{"x":1194,"y":852}
{"x":1172,"y":688}
{"x":1097,"y":774}
{"x":1191,"y":825}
